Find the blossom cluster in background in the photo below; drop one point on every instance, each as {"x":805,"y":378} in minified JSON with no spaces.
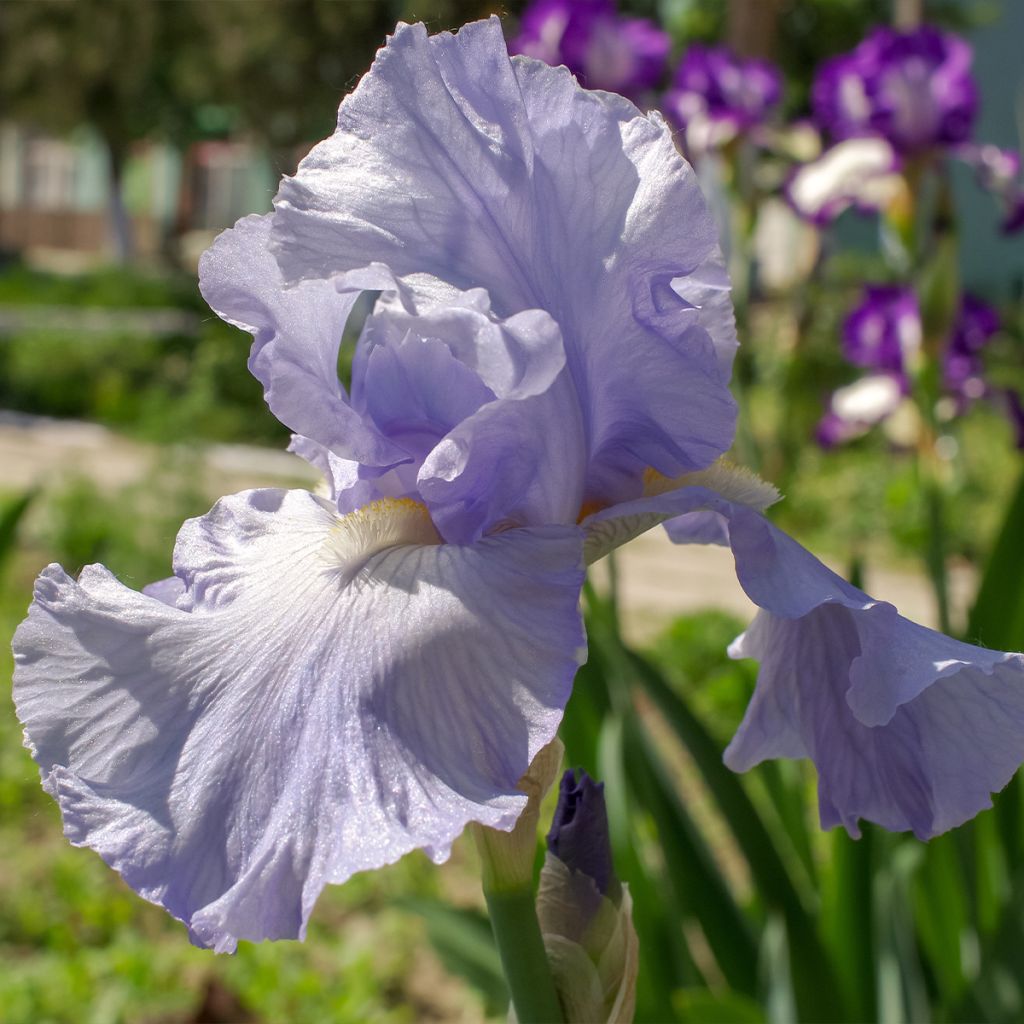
{"x":603,"y":49}
{"x":884,"y":335}
{"x":883,"y":115}
{"x":715,"y":95}
{"x":913,"y":88}
{"x":913,"y":92}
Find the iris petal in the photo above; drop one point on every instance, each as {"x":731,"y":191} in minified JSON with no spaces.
{"x":329,"y":702}
{"x":449,"y":160}
{"x":297,"y":333}
{"x":906,"y":727}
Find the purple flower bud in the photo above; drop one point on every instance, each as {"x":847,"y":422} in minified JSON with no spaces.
{"x":579,"y":830}
{"x":601,"y":48}
{"x":915,"y":88}
{"x":715,"y":85}
{"x":884,"y":329}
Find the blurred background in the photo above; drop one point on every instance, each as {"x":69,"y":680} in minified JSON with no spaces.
{"x":132,"y":131}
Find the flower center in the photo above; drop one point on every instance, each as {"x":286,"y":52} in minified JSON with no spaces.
{"x":384,"y":523}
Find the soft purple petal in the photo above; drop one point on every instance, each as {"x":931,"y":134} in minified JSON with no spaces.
{"x":510,"y":463}
{"x":906,"y":727}
{"x":169,"y":591}
{"x":415,"y":391}
{"x":330,"y":702}
{"x":451,"y":161}
{"x":518,"y":357}
{"x":481,"y":458}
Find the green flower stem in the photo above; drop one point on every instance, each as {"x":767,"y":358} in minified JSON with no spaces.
{"x":523,"y":958}
{"x":507,"y":862}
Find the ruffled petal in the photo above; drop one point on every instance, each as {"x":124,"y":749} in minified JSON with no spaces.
{"x":510,"y":463}
{"x":451,"y":161}
{"x":297,"y":333}
{"x":478,"y":404}
{"x":906,"y":727}
{"x":343,"y":690}
{"x":517,"y":357}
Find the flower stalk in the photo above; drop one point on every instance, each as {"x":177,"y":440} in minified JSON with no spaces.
{"x":507,"y":878}
{"x":523,"y":957}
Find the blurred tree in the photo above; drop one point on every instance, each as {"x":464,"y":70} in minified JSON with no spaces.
{"x":752,"y":26}
{"x":110,"y":64}
{"x":284,"y":65}
{"x":178,"y":70}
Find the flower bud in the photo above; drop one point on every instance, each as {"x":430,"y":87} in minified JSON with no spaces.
{"x":585,"y":913}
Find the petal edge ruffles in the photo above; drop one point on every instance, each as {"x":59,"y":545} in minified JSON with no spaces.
{"x":907,"y":727}
{"x":298,"y":723}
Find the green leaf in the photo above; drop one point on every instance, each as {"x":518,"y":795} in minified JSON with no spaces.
{"x":699,"y":1006}
{"x":814,"y":975}
{"x":848,"y":918}
{"x":11,"y":515}
{"x":997,"y":618}
{"x":689,"y":864}
{"x":940,"y":910}
{"x":776,"y":973}
{"x":665,"y":963}
{"x":902,"y":992}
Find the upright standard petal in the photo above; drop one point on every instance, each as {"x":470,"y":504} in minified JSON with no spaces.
{"x":339,"y":691}
{"x":906,"y":727}
{"x":450,"y":160}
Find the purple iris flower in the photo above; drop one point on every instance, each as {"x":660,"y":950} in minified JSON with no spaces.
{"x":720,"y":93}
{"x":884,"y":330}
{"x":915,"y":88}
{"x":977,"y":322}
{"x":602,"y":49}
{"x":883,"y":334}
{"x":327,"y":683}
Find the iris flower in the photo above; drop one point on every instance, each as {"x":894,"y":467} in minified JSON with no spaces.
{"x":717,"y":94}
{"x":884,"y":334}
{"x":327,"y":683}
{"x":601,"y":47}
{"x":899,"y":96}
{"x":914,"y":88}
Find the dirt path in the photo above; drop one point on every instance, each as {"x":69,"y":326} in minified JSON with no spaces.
{"x":658,"y":580}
